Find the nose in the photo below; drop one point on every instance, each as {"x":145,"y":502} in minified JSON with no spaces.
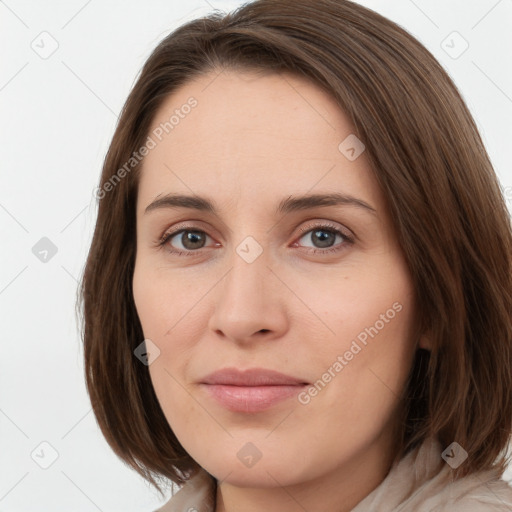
{"x":249,"y":302}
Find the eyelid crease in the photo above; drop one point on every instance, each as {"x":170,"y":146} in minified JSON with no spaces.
{"x":327,"y":224}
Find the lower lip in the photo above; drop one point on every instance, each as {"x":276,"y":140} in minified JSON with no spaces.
{"x":251,"y":398}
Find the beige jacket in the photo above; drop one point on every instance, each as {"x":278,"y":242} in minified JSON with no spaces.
{"x":420,"y":482}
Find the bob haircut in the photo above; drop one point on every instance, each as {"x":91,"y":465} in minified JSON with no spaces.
{"x":446,"y":204}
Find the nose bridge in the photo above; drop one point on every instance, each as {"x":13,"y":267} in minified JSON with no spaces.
{"x":246,"y":281}
{"x":250,"y":253}
{"x":247,"y":301}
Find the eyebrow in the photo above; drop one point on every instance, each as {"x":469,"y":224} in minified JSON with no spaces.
{"x":287,"y":205}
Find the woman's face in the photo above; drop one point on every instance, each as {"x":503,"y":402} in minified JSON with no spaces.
{"x":267,"y":279}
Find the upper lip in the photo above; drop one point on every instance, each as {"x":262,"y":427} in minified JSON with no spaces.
{"x":251,"y":377}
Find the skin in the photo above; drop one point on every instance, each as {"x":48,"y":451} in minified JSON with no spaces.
{"x":251,"y":141}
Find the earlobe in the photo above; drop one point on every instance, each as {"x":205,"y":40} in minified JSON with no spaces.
{"x":425,"y":342}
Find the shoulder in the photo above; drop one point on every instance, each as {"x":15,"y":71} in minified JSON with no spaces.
{"x":479,"y":492}
{"x":423,"y":482}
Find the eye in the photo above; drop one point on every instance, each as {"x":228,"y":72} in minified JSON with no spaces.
{"x":187,"y":240}
{"x":326,"y":238}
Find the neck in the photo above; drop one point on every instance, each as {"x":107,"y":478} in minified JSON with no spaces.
{"x":339,"y":490}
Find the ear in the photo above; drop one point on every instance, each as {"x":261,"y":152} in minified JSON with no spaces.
{"x":425,"y":342}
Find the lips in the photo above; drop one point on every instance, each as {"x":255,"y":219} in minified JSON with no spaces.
{"x":253,"y":390}
{"x":251,"y":377}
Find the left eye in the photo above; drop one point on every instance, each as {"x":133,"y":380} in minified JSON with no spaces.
{"x":323,"y":237}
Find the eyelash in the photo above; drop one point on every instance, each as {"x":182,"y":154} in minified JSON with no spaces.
{"x":330,"y":228}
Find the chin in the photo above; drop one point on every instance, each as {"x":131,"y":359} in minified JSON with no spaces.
{"x":252,"y":477}
{"x":269,"y":471}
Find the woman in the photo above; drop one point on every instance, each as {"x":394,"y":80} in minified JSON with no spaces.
{"x":298,"y":294}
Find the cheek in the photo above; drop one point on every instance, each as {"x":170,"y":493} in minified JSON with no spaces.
{"x":164,"y":303}
{"x":365,"y":359}
{"x":374,"y":354}
{"x":372,"y":306}
{"x":166,"y":311}
{"x":175,"y":401}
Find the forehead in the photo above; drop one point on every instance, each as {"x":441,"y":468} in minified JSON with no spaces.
{"x":249,"y":133}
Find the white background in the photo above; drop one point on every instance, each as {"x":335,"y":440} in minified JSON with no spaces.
{"x":57,"y":118}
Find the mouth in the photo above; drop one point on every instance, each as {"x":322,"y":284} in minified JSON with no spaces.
{"x":252,"y":390}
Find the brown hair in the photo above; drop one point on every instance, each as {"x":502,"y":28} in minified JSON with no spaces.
{"x":447,"y":209}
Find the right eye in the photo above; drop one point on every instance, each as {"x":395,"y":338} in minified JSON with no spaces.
{"x":191,"y":240}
